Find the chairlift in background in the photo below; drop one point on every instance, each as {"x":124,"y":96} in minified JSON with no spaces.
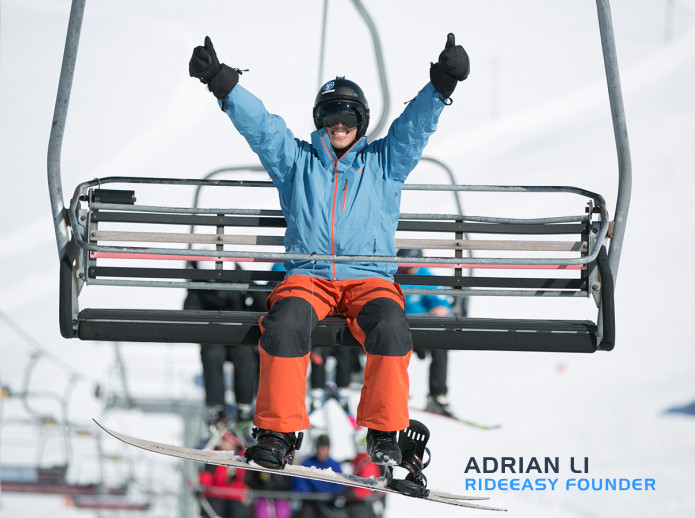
{"x":105,"y":238}
{"x":51,"y":469}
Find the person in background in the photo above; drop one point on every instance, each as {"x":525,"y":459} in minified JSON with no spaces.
{"x":270,"y":506}
{"x":322,"y":460}
{"x":214,"y":356}
{"x":360,"y":502}
{"x":343,"y":373}
{"x":224,"y":487}
{"x":438,"y":306}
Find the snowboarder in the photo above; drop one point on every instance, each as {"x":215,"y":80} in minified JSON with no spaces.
{"x":340,"y":195}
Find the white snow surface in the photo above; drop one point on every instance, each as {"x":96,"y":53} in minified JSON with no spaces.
{"x":533,"y":111}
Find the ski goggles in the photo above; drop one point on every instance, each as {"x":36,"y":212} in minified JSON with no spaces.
{"x":331,"y":113}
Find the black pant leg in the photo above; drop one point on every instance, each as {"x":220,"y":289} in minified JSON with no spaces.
{"x":438,"y":371}
{"x":212,"y":357}
{"x":343,"y":368}
{"x":317,"y":377}
{"x":245,"y":361}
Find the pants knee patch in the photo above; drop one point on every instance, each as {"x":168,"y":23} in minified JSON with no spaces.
{"x":288,"y":327}
{"x":385,"y":327}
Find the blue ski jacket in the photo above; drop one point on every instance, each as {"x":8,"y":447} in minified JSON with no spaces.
{"x":422,"y":304}
{"x":346,"y":206}
{"x":306,"y":485}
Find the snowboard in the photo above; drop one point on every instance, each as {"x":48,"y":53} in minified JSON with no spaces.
{"x":381,"y":484}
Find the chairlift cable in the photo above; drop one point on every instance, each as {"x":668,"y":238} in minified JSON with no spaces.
{"x":381,"y":69}
{"x":41,"y":350}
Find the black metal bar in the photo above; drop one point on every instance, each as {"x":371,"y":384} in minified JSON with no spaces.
{"x":491,"y":282}
{"x":188,"y":219}
{"x":278,"y":222}
{"x":192,"y":274}
{"x":119,"y":196}
{"x":491,"y":228}
{"x":607,"y":301}
{"x":241,"y":328}
{"x":66,"y":291}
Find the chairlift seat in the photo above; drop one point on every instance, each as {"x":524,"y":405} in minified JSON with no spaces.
{"x":124,"y":244}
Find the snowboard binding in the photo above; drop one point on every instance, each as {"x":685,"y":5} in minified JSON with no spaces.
{"x":413,"y":444}
{"x":273,"y":450}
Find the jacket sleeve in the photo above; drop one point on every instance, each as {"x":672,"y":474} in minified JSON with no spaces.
{"x":267,"y":134}
{"x":409,"y":133}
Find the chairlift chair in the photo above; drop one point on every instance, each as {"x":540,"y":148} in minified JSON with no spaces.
{"x":95,"y":250}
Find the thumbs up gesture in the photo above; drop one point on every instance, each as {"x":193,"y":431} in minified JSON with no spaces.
{"x":453,"y":66}
{"x":204,"y":65}
{"x":454,"y":59}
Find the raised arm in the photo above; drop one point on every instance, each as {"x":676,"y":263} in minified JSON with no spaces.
{"x":409,"y":133}
{"x":267,"y":134}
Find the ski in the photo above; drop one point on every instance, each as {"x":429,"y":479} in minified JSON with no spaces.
{"x":474,"y":424}
{"x":381,"y":484}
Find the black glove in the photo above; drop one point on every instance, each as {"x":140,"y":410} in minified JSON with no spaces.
{"x":205,"y":66}
{"x":453,"y":66}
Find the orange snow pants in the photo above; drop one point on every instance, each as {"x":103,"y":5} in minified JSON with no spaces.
{"x":373,"y":309}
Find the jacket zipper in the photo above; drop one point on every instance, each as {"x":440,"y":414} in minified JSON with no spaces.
{"x":335,"y":197}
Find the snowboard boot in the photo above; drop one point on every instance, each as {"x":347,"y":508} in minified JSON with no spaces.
{"x":244,"y":412}
{"x":383,"y":448}
{"x":215,"y":417}
{"x":273,"y":449}
{"x":438,"y":404}
{"x":316,"y":400}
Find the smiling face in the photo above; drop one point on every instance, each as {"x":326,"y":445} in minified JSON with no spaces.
{"x":341,"y":135}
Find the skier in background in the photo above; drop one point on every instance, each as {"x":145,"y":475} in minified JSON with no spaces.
{"x":274,"y":507}
{"x":361,"y":502}
{"x":224,"y":487}
{"x":214,"y":356}
{"x":437,"y":306}
{"x":339,"y":194}
{"x":322,"y":460}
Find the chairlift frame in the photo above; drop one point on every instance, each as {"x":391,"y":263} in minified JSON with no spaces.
{"x":75,"y":252}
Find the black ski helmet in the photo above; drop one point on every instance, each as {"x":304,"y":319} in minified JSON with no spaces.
{"x":341,"y":94}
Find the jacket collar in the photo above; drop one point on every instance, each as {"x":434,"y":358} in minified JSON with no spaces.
{"x":324,"y":150}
